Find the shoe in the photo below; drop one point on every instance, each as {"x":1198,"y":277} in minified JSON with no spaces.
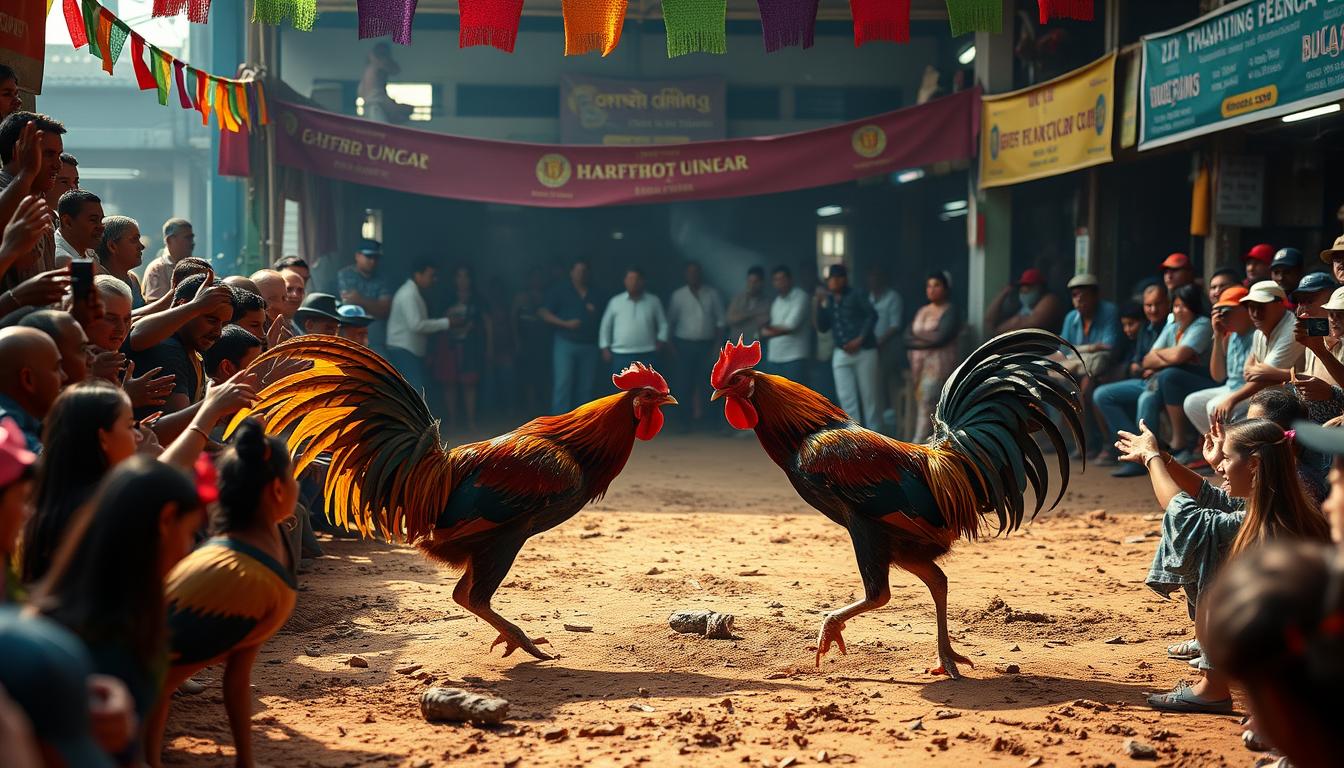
{"x":1183,"y":699}
{"x":1185,"y":651}
{"x":1130,"y":470}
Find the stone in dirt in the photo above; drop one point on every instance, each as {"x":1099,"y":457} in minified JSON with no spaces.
{"x":602,"y":730}
{"x":555,"y":734}
{"x":408,"y":669}
{"x":1140,"y":751}
{"x":1117,"y":640}
{"x":311,"y":650}
{"x":578,"y":628}
{"x":457,"y":705}
{"x":717,"y":626}
{"x":358,"y":661}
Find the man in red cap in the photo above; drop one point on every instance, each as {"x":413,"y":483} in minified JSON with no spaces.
{"x":1177,"y":271}
{"x":1257,"y":262}
{"x":1036,"y":306}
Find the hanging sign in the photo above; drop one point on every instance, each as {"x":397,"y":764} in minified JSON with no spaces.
{"x":1048,"y":129}
{"x":23,"y":40}
{"x":1245,"y":62}
{"x":600,"y":111}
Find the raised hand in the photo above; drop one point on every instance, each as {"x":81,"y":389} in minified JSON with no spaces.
{"x":108,"y":365}
{"x":229,"y":397}
{"x":31,"y":222}
{"x":28,"y":152}
{"x":148,"y":390}
{"x":43,"y":289}
{"x":1139,"y":448}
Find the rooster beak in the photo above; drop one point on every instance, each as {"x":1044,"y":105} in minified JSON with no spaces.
{"x":717,"y":394}
{"x":670,"y":400}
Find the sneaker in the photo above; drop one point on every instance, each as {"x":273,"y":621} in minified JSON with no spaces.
{"x":1131,"y":470}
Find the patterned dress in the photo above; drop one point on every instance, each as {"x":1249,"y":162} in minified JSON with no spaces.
{"x":929,"y":368}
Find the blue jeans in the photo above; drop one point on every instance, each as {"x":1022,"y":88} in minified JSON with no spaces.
{"x":793,"y":370}
{"x":575,"y":372}
{"x":411,"y":367}
{"x":1123,"y":403}
{"x":621,"y":361}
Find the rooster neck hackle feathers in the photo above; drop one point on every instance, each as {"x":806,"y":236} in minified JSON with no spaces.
{"x":789,"y":412}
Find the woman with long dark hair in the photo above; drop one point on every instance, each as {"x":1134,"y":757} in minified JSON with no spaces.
{"x":226,"y":599}
{"x":932,"y":344}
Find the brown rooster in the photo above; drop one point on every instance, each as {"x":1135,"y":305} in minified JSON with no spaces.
{"x":907,"y":504}
{"x":471,"y":507}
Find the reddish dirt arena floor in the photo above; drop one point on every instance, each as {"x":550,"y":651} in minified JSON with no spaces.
{"x":1066,"y":641}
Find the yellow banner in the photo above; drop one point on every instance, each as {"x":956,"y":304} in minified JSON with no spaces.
{"x":1048,"y":129}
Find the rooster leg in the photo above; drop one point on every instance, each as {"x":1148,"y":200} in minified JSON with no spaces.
{"x":485,"y":572}
{"x":871,"y":551}
{"x":934,"y":578}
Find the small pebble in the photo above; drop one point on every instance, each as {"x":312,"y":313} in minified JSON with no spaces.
{"x":359,"y":661}
{"x":1140,"y":751}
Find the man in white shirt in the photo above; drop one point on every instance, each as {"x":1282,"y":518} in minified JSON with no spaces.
{"x":790,"y":329}
{"x":409,"y":325}
{"x":81,"y":215}
{"x":695,"y":314}
{"x":1274,"y":348}
{"x":633,"y":326}
{"x":179,"y":240}
{"x":887,"y":302}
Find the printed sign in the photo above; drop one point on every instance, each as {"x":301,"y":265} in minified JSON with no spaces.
{"x":1241,"y":191}
{"x":1247,"y":61}
{"x":23,"y":40}
{"x":624,"y":112}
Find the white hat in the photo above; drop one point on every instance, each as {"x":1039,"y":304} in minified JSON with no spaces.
{"x":1083,"y":281}
{"x":1336,"y":301}
{"x":1264,"y":292}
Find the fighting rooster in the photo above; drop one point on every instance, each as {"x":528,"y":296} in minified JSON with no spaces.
{"x":471,"y":507}
{"x":907,"y":504}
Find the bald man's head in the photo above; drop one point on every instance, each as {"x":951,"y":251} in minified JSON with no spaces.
{"x":271,"y":287}
{"x":30,"y":369}
{"x":71,"y":341}
{"x":238,"y":281}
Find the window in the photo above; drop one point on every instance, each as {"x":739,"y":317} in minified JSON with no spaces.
{"x":508,"y":101}
{"x":289,"y":240}
{"x":419,"y":96}
{"x":831,"y":246}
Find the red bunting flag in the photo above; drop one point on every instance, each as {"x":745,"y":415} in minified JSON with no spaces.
{"x":489,"y":22}
{"x":1066,"y":9}
{"x":74,"y":22}
{"x":182,"y":94}
{"x":881,"y":20}
{"x":198,"y":11}
{"x":143,"y":76}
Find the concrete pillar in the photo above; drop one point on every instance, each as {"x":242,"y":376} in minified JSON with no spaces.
{"x":990,"y":222}
{"x":225,"y":219}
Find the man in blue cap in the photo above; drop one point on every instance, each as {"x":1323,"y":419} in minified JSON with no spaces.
{"x":354,"y":323}
{"x":1313,"y":291}
{"x":1286,"y":269}
{"x":360,"y":284}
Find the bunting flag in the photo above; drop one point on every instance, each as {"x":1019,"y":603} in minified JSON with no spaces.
{"x":226,"y":110}
{"x":592,"y":25}
{"x":163,"y":66}
{"x":74,"y":21}
{"x":695,"y":26}
{"x":240,"y":101}
{"x":198,"y":11}
{"x":887,"y":20}
{"x":182,"y":96}
{"x":378,"y":18}
{"x":489,"y":22}
{"x":1066,"y":9}
{"x":975,"y":16}
{"x":263,"y":116}
{"x":91,"y":13}
{"x":786,"y":23}
{"x":301,"y":14}
{"x":205,"y":96}
{"x":143,"y":77}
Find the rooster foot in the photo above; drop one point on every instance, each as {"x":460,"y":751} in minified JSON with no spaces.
{"x":516,"y":639}
{"x":830,"y":633}
{"x":947,"y":664}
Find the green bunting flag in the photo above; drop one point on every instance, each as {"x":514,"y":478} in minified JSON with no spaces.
{"x":695,"y":26}
{"x":975,"y":16}
{"x":163,"y":73}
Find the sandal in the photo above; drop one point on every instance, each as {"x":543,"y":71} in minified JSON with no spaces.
{"x":1183,"y":699}
{"x":1185,"y":651}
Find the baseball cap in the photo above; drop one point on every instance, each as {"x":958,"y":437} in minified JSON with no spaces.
{"x":353,"y":314}
{"x":1176,"y":261}
{"x":1263,"y":292}
{"x":1031,"y":276}
{"x":15,"y":458}
{"x":1083,"y":281}
{"x":1329,"y":254}
{"x":370,"y":247}
{"x":45,"y":669}
{"x":1287,"y":257}
{"x":1262,"y":252}
{"x":836,"y":270}
{"x":1316,"y":281}
{"x":1336,"y":301}
{"x":1231,"y":297}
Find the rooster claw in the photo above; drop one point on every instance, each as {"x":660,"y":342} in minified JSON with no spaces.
{"x":830,"y":634}
{"x":514,"y":641}
{"x":948,"y":665}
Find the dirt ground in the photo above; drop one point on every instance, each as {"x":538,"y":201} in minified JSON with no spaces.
{"x":1066,"y":641}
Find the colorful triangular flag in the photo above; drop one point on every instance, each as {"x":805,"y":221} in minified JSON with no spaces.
{"x":163,"y":68}
{"x":143,"y":76}
{"x":695,"y":26}
{"x":975,"y":16}
{"x":74,"y":21}
{"x":880,"y":20}
{"x":182,"y":96}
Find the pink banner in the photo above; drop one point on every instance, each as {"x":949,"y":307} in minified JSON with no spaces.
{"x":361,"y":151}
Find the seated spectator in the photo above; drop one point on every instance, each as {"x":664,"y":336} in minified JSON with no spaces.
{"x":1273,"y":627}
{"x":1026,"y":304}
{"x":1091,"y":327}
{"x":1275,"y":352}
{"x":354,"y":323}
{"x":16,"y":484}
{"x":120,"y":251}
{"x":271,"y":287}
{"x":1176,"y":272}
{"x":107,"y":336}
{"x":1286,"y":269}
{"x":81,"y":216}
{"x":296,"y":290}
{"x":235,"y":350}
{"x":249,"y":555}
{"x":1334,"y":259}
{"x":1222,"y":280}
{"x":109,"y":333}
{"x":186,"y":268}
{"x":179,"y":240}
{"x":1313,"y":291}
{"x":1257,"y":261}
{"x":31,"y":377}
{"x":1176,"y":366}
{"x":1118,"y":397}
{"x":249,"y":312}
{"x":318,"y":315}
{"x":76,"y":354}
{"x":1204,"y":526}
{"x":1323,"y":372}
{"x":1233,"y":335}
{"x":1282,"y":406}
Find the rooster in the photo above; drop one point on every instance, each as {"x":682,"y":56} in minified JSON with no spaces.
{"x":907,"y":504}
{"x":471,"y":507}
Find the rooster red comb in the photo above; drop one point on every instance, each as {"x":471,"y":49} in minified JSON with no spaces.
{"x":734,"y":358}
{"x":640,"y":375}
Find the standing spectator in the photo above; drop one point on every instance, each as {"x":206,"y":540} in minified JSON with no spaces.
{"x":1222,"y":280}
{"x":932,"y":344}
{"x":179,"y":240}
{"x":378,"y":105}
{"x":1093,"y":329}
{"x":1274,"y":350}
{"x":180,"y":354}
{"x":76,"y":354}
{"x":695,"y":316}
{"x":1286,"y":269}
{"x":11,"y":100}
{"x":35,"y":161}
{"x":1334,"y":257}
{"x":531,"y":337}
{"x":850,"y":319}
{"x":81,"y":231}
{"x":67,"y":179}
{"x":296,"y":293}
{"x":890,"y":312}
{"x":1257,"y":261}
{"x":30,"y":378}
{"x":786,"y":337}
{"x":120,"y":251}
{"x":571,"y":311}
{"x":317,"y":316}
{"x":749,"y":311}
{"x":633,"y":326}
{"x":355,"y":324}
{"x":1233,"y":336}
{"x":360,"y":283}
{"x":462,"y":353}
{"x":409,"y":324}
{"x":1036,"y":306}
{"x":109,"y":332}
{"x":296,"y":265}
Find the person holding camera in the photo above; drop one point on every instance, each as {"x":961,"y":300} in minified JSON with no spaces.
{"x":1323,"y":339}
